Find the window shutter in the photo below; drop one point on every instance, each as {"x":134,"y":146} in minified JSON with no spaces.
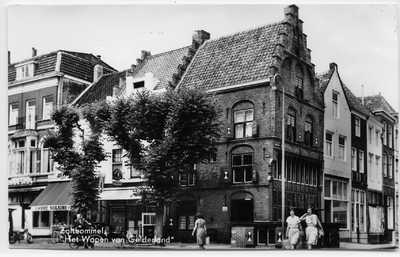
{"x":255,"y":129}
{"x":226,"y":175}
{"x":229,"y":130}
{"x":254,"y":176}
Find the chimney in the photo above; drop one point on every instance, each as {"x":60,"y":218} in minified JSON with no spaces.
{"x":199,"y":36}
{"x":145,"y":54}
{"x":98,"y":70}
{"x":333,"y":66}
{"x":34,"y":52}
{"x":9,"y":57}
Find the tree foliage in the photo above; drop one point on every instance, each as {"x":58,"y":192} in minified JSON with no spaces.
{"x":77,"y":159}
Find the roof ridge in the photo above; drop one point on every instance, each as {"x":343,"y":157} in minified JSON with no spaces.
{"x":162,"y":53}
{"x":33,"y":58}
{"x":246,"y":31}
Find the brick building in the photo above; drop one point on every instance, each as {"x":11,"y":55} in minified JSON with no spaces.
{"x":35,"y":86}
{"x":240,"y":187}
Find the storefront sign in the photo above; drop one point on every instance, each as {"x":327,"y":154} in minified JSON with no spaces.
{"x":51,"y":208}
{"x":117,"y":183}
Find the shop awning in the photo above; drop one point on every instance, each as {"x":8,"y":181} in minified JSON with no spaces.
{"x":118,"y":194}
{"x":55,"y":197}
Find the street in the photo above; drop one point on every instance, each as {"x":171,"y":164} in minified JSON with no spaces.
{"x":43,"y":243}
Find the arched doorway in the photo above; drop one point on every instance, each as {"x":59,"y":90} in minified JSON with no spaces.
{"x":242,"y":207}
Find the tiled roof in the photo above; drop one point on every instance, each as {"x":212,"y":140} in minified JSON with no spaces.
{"x":101,"y":89}
{"x":79,"y":65}
{"x":233,"y":59}
{"x":355,"y":103}
{"x":324,"y":79}
{"x":163,"y":66}
{"x":378,"y":102}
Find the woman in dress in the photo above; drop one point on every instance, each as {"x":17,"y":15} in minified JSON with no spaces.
{"x":294,"y":229}
{"x":201,"y":230}
{"x":312,"y":222}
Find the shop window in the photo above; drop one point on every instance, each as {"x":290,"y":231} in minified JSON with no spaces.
{"x":358,"y":210}
{"x":242,"y":168}
{"x":390,"y":213}
{"x":41,"y":219}
{"x":336,"y":201}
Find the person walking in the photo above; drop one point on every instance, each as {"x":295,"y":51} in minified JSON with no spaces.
{"x":312,"y":230}
{"x":201,"y":230}
{"x":294,"y":229}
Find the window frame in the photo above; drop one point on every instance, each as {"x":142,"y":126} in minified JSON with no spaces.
{"x":13,"y":114}
{"x":357,"y":126}
{"x":360,"y":161}
{"x":247,"y":125}
{"x":335,"y":104}
{"x":46,"y":112}
{"x":384,"y":165}
{"x":353,"y":159}
{"x":329,"y":144}
{"x":245,"y":168}
{"x":291,"y":125}
{"x":342,"y":146}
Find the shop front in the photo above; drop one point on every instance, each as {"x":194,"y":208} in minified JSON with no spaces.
{"x":51,"y":207}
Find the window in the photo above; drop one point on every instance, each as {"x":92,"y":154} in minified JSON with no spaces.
{"x":329,"y":150}
{"x":384,"y":167}
{"x":213,"y":156}
{"x":308,"y":131}
{"x":335,"y":101}
{"x":370,"y":166}
{"x":358,"y":210}
{"x":384,"y":132}
{"x":291,"y":125}
{"x":299,"y":83}
{"x":186,"y":213}
{"x":390,"y":166}
{"x":117,"y":155}
{"x":187,"y":179}
{"x":370,"y":134}
{"x":342,"y":148}
{"x":353,"y":159}
{"x":357,"y":126}
{"x":390,"y":137}
{"x":377,"y":137}
{"x":377,"y":166}
{"x":390,"y":213}
{"x":336,"y":197}
{"x":47,"y":107}
{"x":243,"y":120}
{"x":242,"y":168}
{"x":20,"y":162}
{"x":25,"y":70}
{"x":47,"y":161}
{"x":13,"y":114}
{"x":30,"y":114}
{"x":395,"y":139}
{"x":361,"y":161}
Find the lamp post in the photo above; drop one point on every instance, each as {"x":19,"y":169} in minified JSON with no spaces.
{"x":274,"y":87}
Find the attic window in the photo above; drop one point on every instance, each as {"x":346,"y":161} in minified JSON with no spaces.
{"x":25,"y":70}
{"x":138,"y":84}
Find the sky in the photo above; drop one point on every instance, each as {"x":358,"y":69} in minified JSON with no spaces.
{"x":361,"y":38}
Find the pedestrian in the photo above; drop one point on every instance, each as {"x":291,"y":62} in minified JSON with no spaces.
{"x":201,"y":230}
{"x":294,"y":229}
{"x":314,"y":228}
{"x":81,"y":223}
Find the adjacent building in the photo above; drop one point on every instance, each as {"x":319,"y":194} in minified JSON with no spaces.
{"x":35,"y":86}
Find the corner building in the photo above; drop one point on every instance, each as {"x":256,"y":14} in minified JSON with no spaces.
{"x":239,"y":190}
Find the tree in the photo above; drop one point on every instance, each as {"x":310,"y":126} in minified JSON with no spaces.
{"x":77,"y":159}
{"x":163,"y":134}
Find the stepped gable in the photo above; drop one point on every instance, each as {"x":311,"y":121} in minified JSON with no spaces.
{"x":166,"y":67}
{"x":378,"y":102}
{"x":355,"y":103}
{"x":99,"y":90}
{"x":242,"y":57}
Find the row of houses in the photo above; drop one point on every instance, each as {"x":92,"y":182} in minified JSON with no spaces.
{"x":341,"y":151}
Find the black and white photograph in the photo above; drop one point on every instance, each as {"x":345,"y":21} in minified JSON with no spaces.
{"x":202,"y":126}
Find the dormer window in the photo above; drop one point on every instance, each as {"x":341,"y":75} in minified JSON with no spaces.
{"x":25,"y":70}
{"x":139,"y":84}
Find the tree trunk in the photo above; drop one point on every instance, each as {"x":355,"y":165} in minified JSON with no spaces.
{"x":159,"y":222}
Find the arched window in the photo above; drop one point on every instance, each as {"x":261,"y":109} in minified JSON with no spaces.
{"x":308,"y":131}
{"x":291,"y":125}
{"x":298,"y":83}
